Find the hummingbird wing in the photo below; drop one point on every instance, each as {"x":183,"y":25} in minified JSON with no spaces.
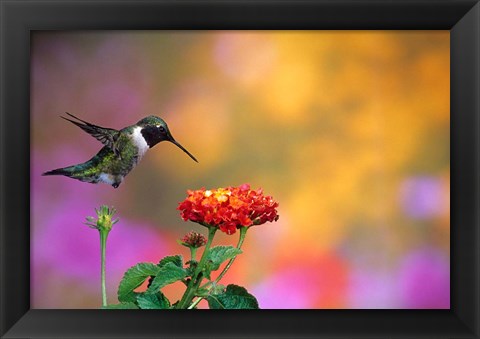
{"x":107,"y":136}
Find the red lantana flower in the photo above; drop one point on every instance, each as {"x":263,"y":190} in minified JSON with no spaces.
{"x":229,"y":208}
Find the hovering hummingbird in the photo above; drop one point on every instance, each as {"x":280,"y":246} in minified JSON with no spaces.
{"x":123,"y":150}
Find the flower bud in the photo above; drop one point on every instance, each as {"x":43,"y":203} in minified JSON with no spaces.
{"x":193,"y":240}
{"x":104,"y":221}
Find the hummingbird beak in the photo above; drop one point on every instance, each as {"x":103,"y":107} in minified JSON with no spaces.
{"x":183,"y":149}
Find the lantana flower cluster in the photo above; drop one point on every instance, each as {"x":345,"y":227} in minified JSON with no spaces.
{"x":229,"y":208}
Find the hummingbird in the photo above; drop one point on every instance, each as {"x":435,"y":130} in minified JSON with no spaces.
{"x":122,"y":151}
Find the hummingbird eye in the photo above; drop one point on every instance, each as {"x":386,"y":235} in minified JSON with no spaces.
{"x":162,"y":129}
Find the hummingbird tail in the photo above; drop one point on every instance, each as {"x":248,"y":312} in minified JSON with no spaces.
{"x":58,"y":171}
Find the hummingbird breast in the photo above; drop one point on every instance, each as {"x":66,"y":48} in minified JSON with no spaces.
{"x":139,"y":141}
{"x":111,"y":167}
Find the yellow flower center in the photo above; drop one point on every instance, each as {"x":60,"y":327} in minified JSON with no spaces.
{"x":222,"y":194}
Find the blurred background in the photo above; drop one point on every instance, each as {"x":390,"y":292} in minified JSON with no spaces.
{"x":349,"y":131}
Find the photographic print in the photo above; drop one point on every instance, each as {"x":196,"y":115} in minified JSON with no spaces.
{"x":240,"y":169}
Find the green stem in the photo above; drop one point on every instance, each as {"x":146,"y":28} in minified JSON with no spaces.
{"x":193,"y":253}
{"x":193,"y":285}
{"x":243,"y":233}
{"x":103,"y":246}
{"x":195,"y":303}
{"x":189,"y":299}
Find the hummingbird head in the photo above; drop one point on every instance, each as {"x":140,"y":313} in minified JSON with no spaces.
{"x":155,"y":130}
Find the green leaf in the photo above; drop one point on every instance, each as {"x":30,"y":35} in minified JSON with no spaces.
{"x":156,"y":301}
{"x":168,"y":274}
{"x":192,"y":266}
{"x":133,"y":278}
{"x":217,"y":255}
{"x":234,"y":297}
{"x":202,"y":292}
{"x":121,"y":306}
{"x":174,"y":259}
{"x":217,"y":289}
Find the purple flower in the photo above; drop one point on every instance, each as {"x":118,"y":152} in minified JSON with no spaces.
{"x":289,"y":289}
{"x":65,"y":254}
{"x":65,"y":244}
{"x":423,"y":197}
{"x":372,"y":289}
{"x":316,"y":281}
{"x":424,"y":279}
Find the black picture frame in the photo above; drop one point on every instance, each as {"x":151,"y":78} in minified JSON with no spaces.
{"x":19,"y":17}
